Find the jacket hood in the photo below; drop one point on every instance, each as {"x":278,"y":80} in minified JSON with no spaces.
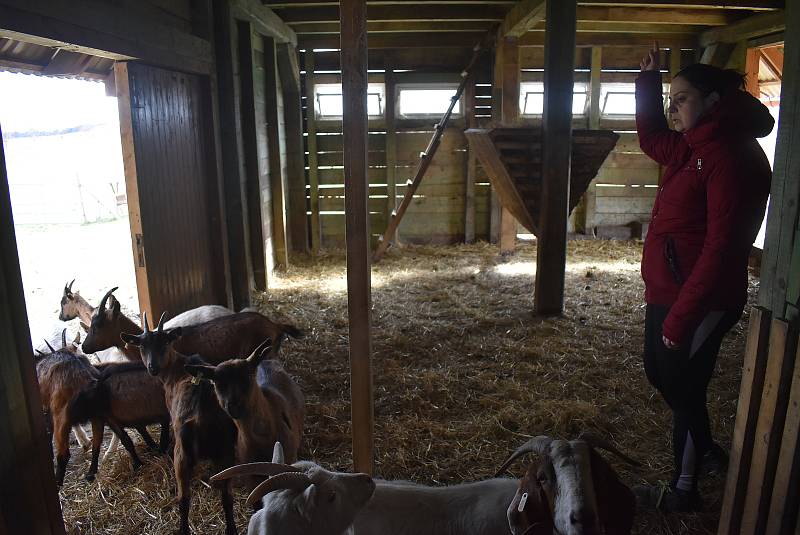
{"x":738,"y":113}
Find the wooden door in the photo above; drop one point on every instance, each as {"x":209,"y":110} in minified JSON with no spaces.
{"x":173,"y":196}
{"x":28,"y":495}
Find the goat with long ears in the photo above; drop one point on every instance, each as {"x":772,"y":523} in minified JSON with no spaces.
{"x":581,"y":491}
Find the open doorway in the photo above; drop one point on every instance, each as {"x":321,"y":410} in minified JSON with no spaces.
{"x":64,"y":160}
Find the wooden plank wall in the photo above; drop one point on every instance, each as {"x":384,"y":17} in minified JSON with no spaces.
{"x":437,"y":213}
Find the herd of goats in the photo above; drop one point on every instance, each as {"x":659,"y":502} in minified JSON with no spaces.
{"x":212,"y":379}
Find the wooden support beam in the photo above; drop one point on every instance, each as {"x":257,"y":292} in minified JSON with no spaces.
{"x":388,"y":13}
{"x":289,"y":69}
{"x":495,"y":208}
{"x":755,"y":26}
{"x":717,"y":54}
{"x":276,"y":178}
{"x":252,"y":171}
{"x":265,"y":21}
{"x":471,"y":163}
{"x":556,"y":155}
{"x":751,"y":64}
{"x":239,"y":264}
{"x":510,"y":116}
{"x":585,"y":211}
{"x":28,"y":495}
{"x":744,"y":432}
{"x":311,"y":146}
{"x":773,"y":57}
{"x":359,"y":301}
{"x":105,"y":29}
{"x":391,"y":143}
{"x":782,"y":219}
{"x":65,"y":62}
{"x":522,"y":17}
{"x":752,"y":5}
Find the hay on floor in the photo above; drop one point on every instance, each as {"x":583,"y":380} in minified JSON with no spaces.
{"x":464,"y":372}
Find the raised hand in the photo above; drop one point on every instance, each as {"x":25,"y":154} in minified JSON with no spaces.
{"x":651,"y":62}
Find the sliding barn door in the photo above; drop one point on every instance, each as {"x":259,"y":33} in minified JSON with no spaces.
{"x":173,"y":197}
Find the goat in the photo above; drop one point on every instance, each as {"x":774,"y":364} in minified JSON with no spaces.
{"x":310,"y":503}
{"x":202,"y":429}
{"x":265,"y":403}
{"x":124,"y":395}
{"x":61,"y":375}
{"x":572,"y":490}
{"x":73,"y":305}
{"x":219,"y":339}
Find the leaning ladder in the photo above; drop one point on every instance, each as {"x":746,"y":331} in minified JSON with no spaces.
{"x":424,"y":162}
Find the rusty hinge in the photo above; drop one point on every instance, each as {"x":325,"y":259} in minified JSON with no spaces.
{"x":140,"y":250}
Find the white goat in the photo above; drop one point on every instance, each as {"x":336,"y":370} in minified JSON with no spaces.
{"x":313,"y":500}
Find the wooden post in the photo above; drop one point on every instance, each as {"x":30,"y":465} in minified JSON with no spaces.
{"x":289,"y":69}
{"x":495,"y":209}
{"x":240,"y":267}
{"x":311,"y":142}
{"x":353,"y":15}
{"x":510,"y":116}
{"x":274,"y":151}
{"x":471,"y":163}
{"x":391,"y":144}
{"x":777,"y":274}
{"x":751,"y":64}
{"x":559,"y":65}
{"x":769,"y":429}
{"x":674,"y":61}
{"x":28,"y":493}
{"x":584,"y":212}
{"x":252,"y":185}
{"x":744,"y":432}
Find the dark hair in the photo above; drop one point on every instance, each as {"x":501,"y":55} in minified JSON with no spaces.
{"x":708,"y":79}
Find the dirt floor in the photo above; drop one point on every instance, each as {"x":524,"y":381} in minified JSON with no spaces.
{"x":97,"y":255}
{"x":464,"y":373}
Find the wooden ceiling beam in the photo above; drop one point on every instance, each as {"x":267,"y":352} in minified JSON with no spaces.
{"x":773,"y":57}
{"x":65,"y":62}
{"x":755,"y":26}
{"x":397,"y":27}
{"x":522,"y":17}
{"x":466,"y":39}
{"x":661,"y":15}
{"x":426,"y":11}
{"x":752,"y":5}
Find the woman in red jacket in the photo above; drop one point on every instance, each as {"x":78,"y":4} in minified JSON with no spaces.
{"x":707,"y":212}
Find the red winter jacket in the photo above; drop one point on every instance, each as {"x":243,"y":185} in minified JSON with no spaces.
{"x":709,"y":206}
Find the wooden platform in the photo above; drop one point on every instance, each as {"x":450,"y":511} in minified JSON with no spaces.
{"x":512,"y":158}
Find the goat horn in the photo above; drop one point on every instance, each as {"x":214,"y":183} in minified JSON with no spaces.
{"x":49,"y":346}
{"x":146,"y":327}
{"x":161,"y":321}
{"x":599,"y":442}
{"x":64,"y":339}
{"x":257,"y":351}
{"x":253,"y":469}
{"x":540,"y":445}
{"x":105,"y":298}
{"x":69,"y":286}
{"x":285,"y":481}
{"x":41,"y":354}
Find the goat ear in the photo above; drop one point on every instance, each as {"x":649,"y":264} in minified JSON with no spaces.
{"x":131,"y":339}
{"x":77,"y":340}
{"x":306,"y":502}
{"x":200,"y":370}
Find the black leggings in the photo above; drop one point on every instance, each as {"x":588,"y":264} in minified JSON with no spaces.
{"x":683,"y":380}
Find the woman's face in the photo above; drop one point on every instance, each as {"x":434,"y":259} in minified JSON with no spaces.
{"x":687,"y":104}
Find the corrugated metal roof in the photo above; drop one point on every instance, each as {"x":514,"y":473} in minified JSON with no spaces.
{"x":22,"y":56}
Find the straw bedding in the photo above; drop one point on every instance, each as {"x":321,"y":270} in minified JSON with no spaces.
{"x":464,"y":372}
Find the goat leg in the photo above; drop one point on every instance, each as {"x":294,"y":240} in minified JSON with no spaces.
{"x":227,"y":499}
{"x":80,"y":436}
{"x":127,"y":442}
{"x":61,"y":434}
{"x":98,"y":427}
{"x":166,"y":437}
{"x":147,"y":438}
{"x":183,"y":475}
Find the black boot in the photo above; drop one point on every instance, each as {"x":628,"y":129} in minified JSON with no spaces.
{"x":667,"y":499}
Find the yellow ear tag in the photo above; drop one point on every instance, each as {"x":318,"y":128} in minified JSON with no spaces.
{"x":195,"y":379}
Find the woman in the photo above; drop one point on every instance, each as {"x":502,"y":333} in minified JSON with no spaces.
{"x":707,"y":212}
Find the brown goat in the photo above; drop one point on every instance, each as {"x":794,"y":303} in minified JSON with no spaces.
{"x":265,"y":403}
{"x":61,"y":375}
{"x":124,"y":395}
{"x":219,"y":339}
{"x":74,"y":306}
{"x":202,"y":429}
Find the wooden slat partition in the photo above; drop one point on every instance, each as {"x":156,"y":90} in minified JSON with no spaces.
{"x":311,"y":145}
{"x":769,"y":429}
{"x":744,"y":433}
{"x":783,"y":512}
